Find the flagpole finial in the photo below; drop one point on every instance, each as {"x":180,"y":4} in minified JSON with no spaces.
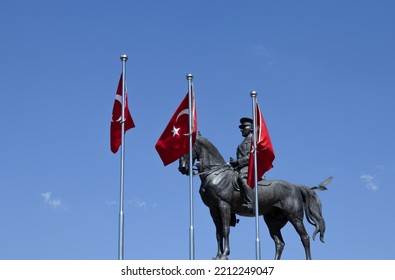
{"x":253,"y":93}
{"x":189,"y":77}
{"x":124,"y":57}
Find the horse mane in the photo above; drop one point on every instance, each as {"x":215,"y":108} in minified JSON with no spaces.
{"x":209,"y":146}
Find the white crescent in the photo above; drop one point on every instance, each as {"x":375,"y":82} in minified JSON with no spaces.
{"x":119,"y":99}
{"x":183,"y":112}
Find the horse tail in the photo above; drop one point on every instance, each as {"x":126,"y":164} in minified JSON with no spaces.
{"x":313,"y":211}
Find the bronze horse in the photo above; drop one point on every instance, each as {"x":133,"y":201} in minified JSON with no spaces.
{"x":279,"y":201}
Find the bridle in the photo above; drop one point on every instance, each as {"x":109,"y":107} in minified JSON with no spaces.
{"x":217,"y":167}
{"x":211,"y":167}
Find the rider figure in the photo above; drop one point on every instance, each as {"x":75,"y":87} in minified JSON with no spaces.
{"x":241,"y":163}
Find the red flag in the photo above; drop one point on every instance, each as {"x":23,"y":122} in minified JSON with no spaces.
{"x":174,"y":141}
{"x":116,"y":126}
{"x":265,"y":152}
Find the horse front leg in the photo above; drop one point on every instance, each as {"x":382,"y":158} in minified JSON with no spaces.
{"x":218,"y":233}
{"x":225,"y":217}
{"x":275,"y":224}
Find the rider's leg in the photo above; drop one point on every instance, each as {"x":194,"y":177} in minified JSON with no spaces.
{"x":246,"y":194}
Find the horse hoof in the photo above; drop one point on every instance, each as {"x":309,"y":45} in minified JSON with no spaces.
{"x":220,"y":258}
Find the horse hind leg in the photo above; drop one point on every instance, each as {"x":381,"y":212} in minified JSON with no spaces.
{"x":275,"y":224}
{"x":301,"y":230}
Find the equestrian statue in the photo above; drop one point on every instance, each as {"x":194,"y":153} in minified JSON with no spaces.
{"x":279,"y":202}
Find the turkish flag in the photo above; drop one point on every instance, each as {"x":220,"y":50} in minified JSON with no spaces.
{"x":116,"y":125}
{"x":264,"y":151}
{"x":174,"y":141}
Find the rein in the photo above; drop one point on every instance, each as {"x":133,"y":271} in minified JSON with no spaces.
{"x":217,"y":167}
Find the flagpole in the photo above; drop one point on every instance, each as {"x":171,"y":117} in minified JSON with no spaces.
{"x":191,"y":214}
{"x":124,"y":58}
{"x":257,"y":240}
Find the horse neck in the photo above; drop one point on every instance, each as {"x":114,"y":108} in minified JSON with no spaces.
{"x":209,"y":155}
{"x":210,"y":160}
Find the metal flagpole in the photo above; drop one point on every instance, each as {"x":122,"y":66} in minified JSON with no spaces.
{"x":257,"y":240}
{"x":191,"y":214}
{"x":124,"y":58}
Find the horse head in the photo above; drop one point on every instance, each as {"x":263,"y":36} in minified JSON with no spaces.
{"x":183,"y":162}
{"x":204,"y":152}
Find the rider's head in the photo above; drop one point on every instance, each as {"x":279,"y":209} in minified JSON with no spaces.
{"x":245,"y":126}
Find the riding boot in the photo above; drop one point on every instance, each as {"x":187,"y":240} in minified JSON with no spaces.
{"x":247,"y":204}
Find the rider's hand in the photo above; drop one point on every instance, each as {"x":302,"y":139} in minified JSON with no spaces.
{"x":233,"y":162}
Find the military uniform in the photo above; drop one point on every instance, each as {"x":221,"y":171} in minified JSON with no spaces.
{"x":243,"y":159}
{"x":243,"y":156}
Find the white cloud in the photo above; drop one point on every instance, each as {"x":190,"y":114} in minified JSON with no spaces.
{"x":260,"y":51}
{"x":138,"y":203}
{"x":111,"y":202}
{"x":54,"y":203}
{"x":370,"y":182}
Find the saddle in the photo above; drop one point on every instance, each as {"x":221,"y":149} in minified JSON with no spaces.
{"x":264,"y":183}
{"x":261,"y":182}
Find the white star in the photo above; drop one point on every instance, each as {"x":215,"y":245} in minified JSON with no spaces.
{"x":175,"y":131}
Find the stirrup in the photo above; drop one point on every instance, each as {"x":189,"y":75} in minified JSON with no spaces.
{"x":248,"y":206}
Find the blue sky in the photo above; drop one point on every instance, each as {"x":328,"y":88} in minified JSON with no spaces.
{"x":324,"y":72}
